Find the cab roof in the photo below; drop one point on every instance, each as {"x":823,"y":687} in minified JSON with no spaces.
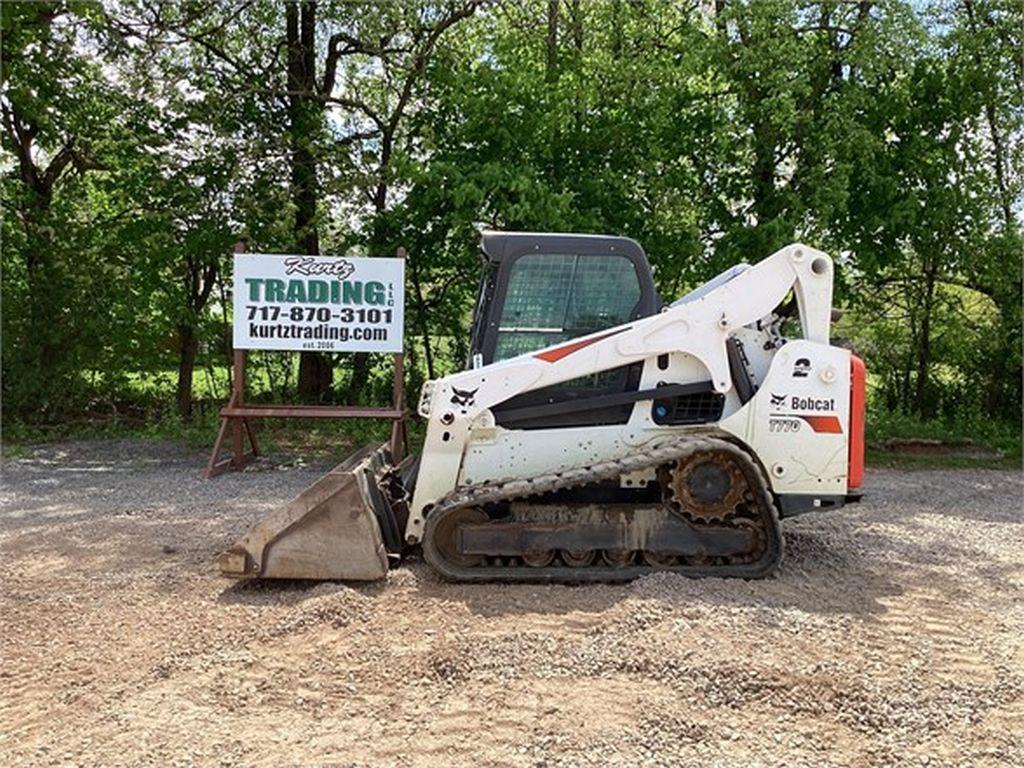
{"x":499,"y":246}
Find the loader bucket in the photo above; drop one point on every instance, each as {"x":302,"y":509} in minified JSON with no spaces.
{"x":332,"y":530}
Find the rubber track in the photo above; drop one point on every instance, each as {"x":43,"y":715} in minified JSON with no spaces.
{"x":664,"y":453}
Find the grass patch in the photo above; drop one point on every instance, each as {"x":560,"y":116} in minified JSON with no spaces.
{"x":316,"y":439}
{"x":960,"y":437}
{"x":19,"y":435}
{"x":889,"y":459}
{"x":137,"y":406}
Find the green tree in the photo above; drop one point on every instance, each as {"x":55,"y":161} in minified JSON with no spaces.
{"x":70,"y":133}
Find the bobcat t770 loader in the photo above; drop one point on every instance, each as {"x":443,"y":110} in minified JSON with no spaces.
{"x":598,"y":434}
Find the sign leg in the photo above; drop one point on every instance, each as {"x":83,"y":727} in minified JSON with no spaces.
{"x":252,"y":437}
{"x":212,"y":467}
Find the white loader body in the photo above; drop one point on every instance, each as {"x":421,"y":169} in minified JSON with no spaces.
{"x":801,"y":455}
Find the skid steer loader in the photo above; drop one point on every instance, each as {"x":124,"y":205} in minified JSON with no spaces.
{"x":598,"y":434}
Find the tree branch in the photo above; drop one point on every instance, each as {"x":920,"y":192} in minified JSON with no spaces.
{"x":344,"y":44}
{"x":58,"y":164}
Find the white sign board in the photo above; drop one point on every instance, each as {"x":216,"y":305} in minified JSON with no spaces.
{"x":318,"y":303}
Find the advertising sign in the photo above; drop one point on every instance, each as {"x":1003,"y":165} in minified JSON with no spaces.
{"x":318,"y":303}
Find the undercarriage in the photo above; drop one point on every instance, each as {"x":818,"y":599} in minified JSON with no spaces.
{"x":709,"y":513}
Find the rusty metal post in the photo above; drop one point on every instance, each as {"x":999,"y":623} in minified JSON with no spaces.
{"x":237,"y":445}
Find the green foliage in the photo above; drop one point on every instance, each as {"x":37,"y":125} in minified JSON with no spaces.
{"x":140,"y":139}
{"x":968,"y":439}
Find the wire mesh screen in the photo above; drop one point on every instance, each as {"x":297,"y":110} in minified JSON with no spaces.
{"x":555,"y":297}
{"x":538,"y":292}
{"x":604,"y":292}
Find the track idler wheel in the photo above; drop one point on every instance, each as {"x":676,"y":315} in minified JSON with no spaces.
{"x":539,"y":558}
{"x":660,"y":559}
{"x":617,"y":558}
{"x":447,"y":532}
{"x":578,"y":558}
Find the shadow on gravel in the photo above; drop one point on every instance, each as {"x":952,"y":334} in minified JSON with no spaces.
{"x":831,"y":567}
{"x":93,"y":502}
{"x":290,"y":592}
{"x":815,"y":577}
{"x":511,"y":599}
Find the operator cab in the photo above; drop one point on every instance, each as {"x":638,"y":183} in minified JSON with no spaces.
{"x":538,"y":290}
{"x":542,"y":289}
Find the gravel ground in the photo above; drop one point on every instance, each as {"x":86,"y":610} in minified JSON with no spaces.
{"x":893,"y":635}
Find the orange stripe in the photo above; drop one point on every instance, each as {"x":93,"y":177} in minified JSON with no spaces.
{"x":827,"y":424}
{"x":855,"y":467}
{"x":556,"y":354}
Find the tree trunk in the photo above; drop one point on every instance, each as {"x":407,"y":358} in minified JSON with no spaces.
{"x":305,"y":117}
{"x":316,"y":375}
{"x":924,"y":349}
{"x":994,"y":388}
{"x":552,"y":41}
{"x":995,"y":134}
{"x":188,"y":347}
{"x":763,"y":173}
{"x":424,"y":331}
{"x":577,"y":26}
{"x":420,"y":309}
{"x":428,"y":353}
{"x":360,"y":377}
{"x":42,"y":284}
{"x":43,"y":350}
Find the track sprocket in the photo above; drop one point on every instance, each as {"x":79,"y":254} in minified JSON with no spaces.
{"x":707,"y":486}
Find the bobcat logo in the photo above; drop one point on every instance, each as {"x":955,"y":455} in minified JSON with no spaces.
{"x":778,"y":399}
{"x":464,"y":397}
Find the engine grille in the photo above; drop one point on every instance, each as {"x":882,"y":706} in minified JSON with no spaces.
{"x":697,"y":408}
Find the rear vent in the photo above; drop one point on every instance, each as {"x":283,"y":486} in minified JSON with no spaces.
{"x":696,"y":408}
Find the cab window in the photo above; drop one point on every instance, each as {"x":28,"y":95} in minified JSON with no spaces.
{"x":553,"y":298}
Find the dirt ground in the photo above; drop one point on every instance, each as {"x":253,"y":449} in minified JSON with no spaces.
{"x":893,"y":635}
